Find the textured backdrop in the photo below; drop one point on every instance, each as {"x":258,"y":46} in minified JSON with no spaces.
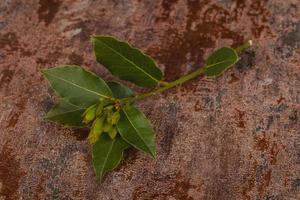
{"x":235,"y":137}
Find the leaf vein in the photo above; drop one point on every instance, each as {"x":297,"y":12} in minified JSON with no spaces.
{"x":106,"y":157}
{"x":137,"y":130}
{"x":101,"y":95}
{"x":208,"y":66}
{"x":129,"y":61}
{"x":66,"y":112}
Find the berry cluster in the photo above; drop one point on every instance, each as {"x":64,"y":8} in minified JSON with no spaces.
{"x":103,"y":117}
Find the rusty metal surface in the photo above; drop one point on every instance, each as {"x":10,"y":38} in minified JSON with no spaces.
{"x":235,"y":137}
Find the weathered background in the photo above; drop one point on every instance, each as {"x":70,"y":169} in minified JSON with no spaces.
{"x":235,"y":137}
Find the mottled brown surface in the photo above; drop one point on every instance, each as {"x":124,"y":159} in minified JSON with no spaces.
{"x":236,"y":137}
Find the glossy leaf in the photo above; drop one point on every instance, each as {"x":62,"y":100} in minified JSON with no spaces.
{"x":126,"y":62}
{"x":77,"y":85}
{"x":220,"y":60}
{"x":67,"y":114}
{"x":107,"y":154}
{"x":120,"y":91}
{"x":136,"y":129}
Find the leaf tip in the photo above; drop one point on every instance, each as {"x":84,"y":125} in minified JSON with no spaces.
{"x":152,"y":153}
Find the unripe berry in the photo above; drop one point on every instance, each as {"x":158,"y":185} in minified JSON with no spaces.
{"x":89,"y":114}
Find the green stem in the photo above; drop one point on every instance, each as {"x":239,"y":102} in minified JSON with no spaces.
{"x":243,"y":47}
{"x":170,"y":85}
{"x":183,"y":79}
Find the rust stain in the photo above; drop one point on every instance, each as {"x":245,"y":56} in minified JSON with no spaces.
{"x":167,"y":7}
{"x":197,"y":106}
{"x":6,"y":76}
{"x":265,"y":182}
{"x":9,"y":42}
{"x":250,"y":182}
{"x":233,"y":79}
{"x":258,"y":15}
{"x":190,"y":87}
{"x":51,"y":58}
{"x":48,"y":10}
{"x":15,"y":114}
{"x":182,"y":50}
{"x":170,"y":127}
{"x":40,"y":187}
{"x":262,"y":144}
{"x":280,"y":100}
{"x":286,"y":180}
{"x":240,"y":118}
{"x":274,"y":153}
{"x":10,"y":174}
{"x":205,"y":24}
{"x":75,"y":59}
{"x":189,"y":46}
{"x":177,"y":188}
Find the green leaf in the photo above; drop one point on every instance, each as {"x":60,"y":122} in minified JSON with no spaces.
{"x":136,"y":129}
{"x":67,"y":114}
{"x":120,"y":91}
{"x":219,"y":61}
{"x":77,"y":85}
{"x":126,"y":62}
{"x":107,"y":154}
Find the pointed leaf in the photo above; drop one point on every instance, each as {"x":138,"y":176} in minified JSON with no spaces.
{"x":220,"y":60}
{"x":126,"y":62}
{"x":67,"y":114}
{"x":77,"y":85}
{"x":120,"y":91}
{"x":107,"y":154}
{"x":136,"y":129}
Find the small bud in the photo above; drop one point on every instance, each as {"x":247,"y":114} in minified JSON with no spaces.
{"x":98,"y":125}
{"x":112,"y":132}
{"x":96,"y":130}
{"x":99,"y":110}
{"x":108,"y":119}
{"x":92,"y":138}
{"x":107,"y":127}
{"x":89,"y":114}
{"x":108,"y":109}
{"x":115,"y":117}
{"x":101,"y":99}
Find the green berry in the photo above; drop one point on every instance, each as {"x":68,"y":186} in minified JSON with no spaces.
{"x":112,"y":132}
{"x":99,"y":110}
{"x":107,"y":127}
{"x":89,"y":114}
{"x":98,"y":125}
{"x":92,"y":138}
{"x":96,"y":130}
{"x":115,"y":117}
